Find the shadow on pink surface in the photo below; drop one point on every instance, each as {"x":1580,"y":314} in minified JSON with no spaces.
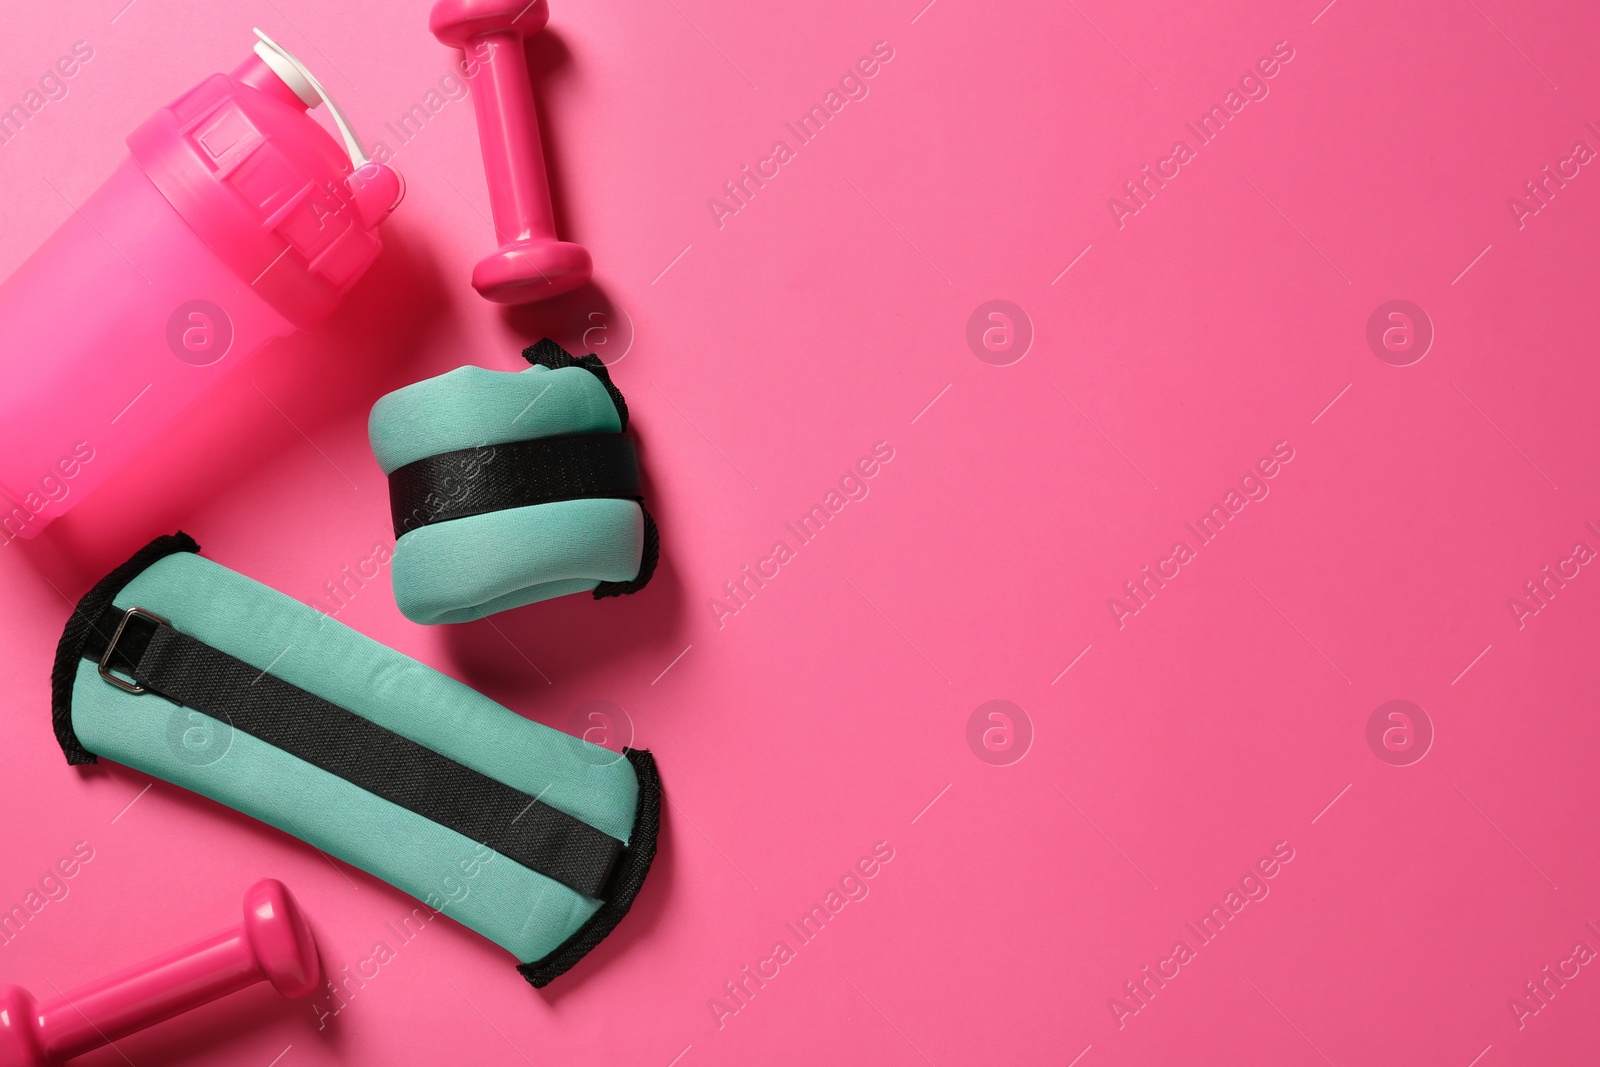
{"x":585,"y":636}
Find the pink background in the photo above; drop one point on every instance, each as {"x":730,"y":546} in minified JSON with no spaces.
{"x":831,"y":713}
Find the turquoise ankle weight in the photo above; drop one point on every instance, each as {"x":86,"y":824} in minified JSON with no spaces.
{"x":508,"y":488}
{"x":200,"y":676}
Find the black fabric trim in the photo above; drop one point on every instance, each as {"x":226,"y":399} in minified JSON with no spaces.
{"x":626,"y":881}
{"x":191,"y":673}
{"x":517,"y":474}
{"x":649,"y":556}
{"x":549,"y":354}
{"x":81,"y":624}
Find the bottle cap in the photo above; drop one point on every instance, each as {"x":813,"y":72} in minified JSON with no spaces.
{"x":264,"y":185}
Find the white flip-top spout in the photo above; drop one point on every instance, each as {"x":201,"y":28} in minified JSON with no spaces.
{"x":304,"y":84}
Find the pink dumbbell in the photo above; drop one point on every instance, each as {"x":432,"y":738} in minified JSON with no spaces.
{"x":530,"y":264}
{"x":273,"y":943}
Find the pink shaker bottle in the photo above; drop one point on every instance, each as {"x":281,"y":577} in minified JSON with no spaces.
{"x":236,"y":219}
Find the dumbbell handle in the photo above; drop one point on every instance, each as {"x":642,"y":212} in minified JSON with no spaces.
{"x":273,"y":943}
{"x":146,"y":993}
{"x":508,"y":125}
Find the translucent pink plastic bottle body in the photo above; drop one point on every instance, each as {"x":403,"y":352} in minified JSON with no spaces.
{"x":236,"y":220}
{"x":117,"y":325}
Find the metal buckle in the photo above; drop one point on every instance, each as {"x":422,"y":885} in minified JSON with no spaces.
{"x":105,"y":659}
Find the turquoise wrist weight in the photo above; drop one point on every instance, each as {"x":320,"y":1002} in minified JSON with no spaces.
{"x":188,"y":671}
{"x":507,"y":488}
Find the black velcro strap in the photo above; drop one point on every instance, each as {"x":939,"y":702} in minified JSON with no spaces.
{"x":514,"y":824}
{"x":517,"y":474}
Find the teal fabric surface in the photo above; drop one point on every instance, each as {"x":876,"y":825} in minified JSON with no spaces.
{"x":473,"y":406}
{"x":525,"y":912}
{"x":467,"y":568}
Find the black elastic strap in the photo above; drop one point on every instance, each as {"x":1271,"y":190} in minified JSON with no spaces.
{"x":517,"y":474}
{"x":396,"y":768}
